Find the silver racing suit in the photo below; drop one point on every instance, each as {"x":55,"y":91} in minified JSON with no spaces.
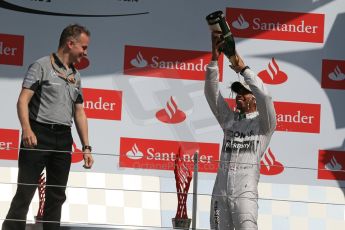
{"x":245,"y":140}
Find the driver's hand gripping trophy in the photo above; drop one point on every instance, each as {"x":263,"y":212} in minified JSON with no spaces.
{"x":219,"y":25}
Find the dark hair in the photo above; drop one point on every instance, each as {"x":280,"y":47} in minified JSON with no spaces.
{"x":72,"y":31}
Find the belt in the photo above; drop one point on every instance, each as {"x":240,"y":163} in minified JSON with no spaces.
{"x":57,"y":127}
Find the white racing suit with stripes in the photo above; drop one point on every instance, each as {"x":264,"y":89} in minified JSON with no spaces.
{"x":245,"y":140}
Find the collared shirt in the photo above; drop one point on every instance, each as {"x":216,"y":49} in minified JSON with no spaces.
{"x":55,"y":96}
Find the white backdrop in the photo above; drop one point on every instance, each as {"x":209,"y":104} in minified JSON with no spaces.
{"x":144,"y":81}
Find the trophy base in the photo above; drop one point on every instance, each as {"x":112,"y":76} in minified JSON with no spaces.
{"x":181,"y":223}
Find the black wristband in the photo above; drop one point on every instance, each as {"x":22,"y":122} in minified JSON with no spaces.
{"x":244,"y":69}
{"x":87,"y":147}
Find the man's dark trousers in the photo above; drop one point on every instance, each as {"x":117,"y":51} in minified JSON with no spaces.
{"x":30,"y":164}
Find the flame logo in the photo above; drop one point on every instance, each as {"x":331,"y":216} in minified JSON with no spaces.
{"x":134,"y":153}
{"x":83,"y":64}
{"x":333,"y":165}
{"x":269,"y":165}
{"x":139,"y":61}
{"x":240,"y":23}
{"x":171,"y":113}
{"x":77,"y":154}
{"x":337,"y":74}
{"x":273,"y":75}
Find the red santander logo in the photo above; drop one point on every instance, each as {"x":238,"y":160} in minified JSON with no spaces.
{"x":83,"y":64}
{"x":298,"y":117}
{"x":9,"y":142}
{"x":294,"y":117}
{"x":276,"y":25}
{"x":77,"y":154}
{"x":11,"y":49}
{"x":134,"y":153}
{"x":333,"y":74}
{"x":331,"y":165}
{"x":161,"y":154}
{"x":102,"y":104}
{"x":273,"y":75}
{"x":171,"y":114}
{"x":269,"y":164}
{"x":167,"y":63}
